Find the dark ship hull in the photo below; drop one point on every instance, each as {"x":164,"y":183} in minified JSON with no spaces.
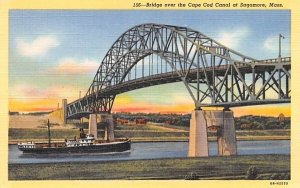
{"x":110,"y":147}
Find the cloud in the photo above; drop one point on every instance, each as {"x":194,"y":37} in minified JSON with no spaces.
{"x":73,"y":66}
{"x":23,"y":91}
{"x":271,"y":45}
{"x":233,"y":38}
{"x":36,"y":48}
{"x":28,"y":92}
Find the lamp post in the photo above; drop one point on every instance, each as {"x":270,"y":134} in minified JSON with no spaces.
{"x":279,"y":70}
{"x":280,"y":36}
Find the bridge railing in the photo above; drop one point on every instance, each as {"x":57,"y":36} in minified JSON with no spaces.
{"x":275,"y":60}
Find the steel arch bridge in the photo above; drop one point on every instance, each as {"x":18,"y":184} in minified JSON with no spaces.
{"x":214,"y":75}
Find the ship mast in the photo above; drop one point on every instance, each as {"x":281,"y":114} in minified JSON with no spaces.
{"x":49,"y":135}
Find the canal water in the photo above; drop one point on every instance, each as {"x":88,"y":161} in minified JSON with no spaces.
{"x":151,"y":150}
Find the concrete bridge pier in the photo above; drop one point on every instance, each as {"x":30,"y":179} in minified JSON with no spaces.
{"x":226,"y":134}
{"x":93,"y":125}
{"x":198,"y":144}
{"x":220,"y":120}
{"x":108,"y":122}
{"x":107,"y":119}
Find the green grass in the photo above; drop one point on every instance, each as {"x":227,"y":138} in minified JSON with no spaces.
{"x":233,"y":167}
{"x":133,"y":134}
{"x":137,"y":133}
{"x":184,"y":128}
{"x":281,"y":132}
{"x":40,"y":133}
{"x":134,"y":127}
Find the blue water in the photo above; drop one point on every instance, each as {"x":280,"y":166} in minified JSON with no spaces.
{"x":151,"y":150}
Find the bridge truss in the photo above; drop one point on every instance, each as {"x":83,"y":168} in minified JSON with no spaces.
{"x":214,"y":75}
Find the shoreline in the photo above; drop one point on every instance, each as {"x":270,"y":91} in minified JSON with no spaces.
{"x":225,"y":167}
{"x":170,"y":139}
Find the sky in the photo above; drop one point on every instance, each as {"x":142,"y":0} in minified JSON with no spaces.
{"x":54,"y":54}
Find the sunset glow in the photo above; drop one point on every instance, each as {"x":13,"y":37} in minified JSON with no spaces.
{"x":123,"y":104}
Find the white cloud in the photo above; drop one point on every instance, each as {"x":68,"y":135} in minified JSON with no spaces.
{"x":233,"y":38}
{"x":72,"y":66}
{"x":271,"y":44}
{"x":36,"y":48}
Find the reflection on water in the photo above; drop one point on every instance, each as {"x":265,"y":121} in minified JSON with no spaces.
{"x":150,"y":150}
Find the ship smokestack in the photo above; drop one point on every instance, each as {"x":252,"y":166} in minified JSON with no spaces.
{"x":82,"y":134}
{"x":49,"y":135}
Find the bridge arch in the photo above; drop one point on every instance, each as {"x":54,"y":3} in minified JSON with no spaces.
{"x":163,"y":39}
{"x":209,"y":70}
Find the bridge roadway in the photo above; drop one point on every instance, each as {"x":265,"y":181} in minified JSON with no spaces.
{"x":171,"y":77}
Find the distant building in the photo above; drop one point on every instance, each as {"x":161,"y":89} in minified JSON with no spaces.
{"x":141,"y":121}
{"x":122,"y":121}
{"x":13,"y":113}
{"x":281,"y":117}
{"x":168,"y":122}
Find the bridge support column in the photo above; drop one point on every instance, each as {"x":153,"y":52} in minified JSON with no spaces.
{"x":110,"y":129}
{"x":64,"y":111}
{"x":223,"y":122}
{"x":226,"y":135}
{"x":109,"y":126}
{"x":93,"y":125}
{"x":198,"y":144}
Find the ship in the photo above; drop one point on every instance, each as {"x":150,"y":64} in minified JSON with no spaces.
{"x":86,"y":143}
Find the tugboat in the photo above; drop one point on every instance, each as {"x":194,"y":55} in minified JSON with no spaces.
{"x":86,"y":143}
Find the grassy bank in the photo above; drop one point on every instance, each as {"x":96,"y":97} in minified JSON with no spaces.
{"x":145,"y":133}
{"x":234,"y":167}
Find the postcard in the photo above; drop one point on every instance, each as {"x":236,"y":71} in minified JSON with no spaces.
{"x":149,"y":93}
